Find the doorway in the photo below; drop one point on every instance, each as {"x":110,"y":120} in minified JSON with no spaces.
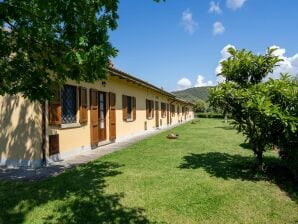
{"x":156,"y":114}
{"x":168,"y":114}
{"x":94,"y":118}
{"x":102,"y":112}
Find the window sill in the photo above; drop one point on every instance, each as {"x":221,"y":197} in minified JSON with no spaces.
{"x":129,"y":120}
{"x":70,"y":125}
{"x":150,"y":118}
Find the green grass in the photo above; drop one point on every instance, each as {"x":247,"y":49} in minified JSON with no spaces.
{"x":206,"y":176}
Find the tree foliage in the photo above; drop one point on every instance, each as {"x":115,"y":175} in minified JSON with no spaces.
{"x":266,"y":112}
{"x":200,"y":106}
{"x":45,"y":43}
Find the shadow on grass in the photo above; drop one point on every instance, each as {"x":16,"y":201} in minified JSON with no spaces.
{"x":228,"y":127}
{"x":77,"y":196}
{"x":227,"y":166}
{"x":245,"y":145}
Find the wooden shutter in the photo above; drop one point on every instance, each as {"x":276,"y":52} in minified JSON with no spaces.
{"x":55,"y":110}
{"x":173,"y":110}
{"x":112,"y":117}
{"x":83,"y":105}
{"x":163,"y":110}
{"x":94,"y":118}
{"x":147,"y":109}
{"x":124,"y":107}
{"x":152,"y":108}
{"x":53,"y":144}
{"x":134,"y":108}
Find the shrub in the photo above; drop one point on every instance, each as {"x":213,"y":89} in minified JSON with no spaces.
{"x":289,"y":153}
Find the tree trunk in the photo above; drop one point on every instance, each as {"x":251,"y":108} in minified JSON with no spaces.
{"x":260,"y":159}
{"x":43,"y":124}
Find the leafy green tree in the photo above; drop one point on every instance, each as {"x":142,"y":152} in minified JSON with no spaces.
{"x":200,"y":106}
{"x":45,"y":43}
{"x":265,"y":112}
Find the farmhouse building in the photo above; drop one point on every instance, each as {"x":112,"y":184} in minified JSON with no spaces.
{"x":83,"y":117}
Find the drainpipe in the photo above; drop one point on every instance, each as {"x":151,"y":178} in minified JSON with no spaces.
{"x":43,"y":133}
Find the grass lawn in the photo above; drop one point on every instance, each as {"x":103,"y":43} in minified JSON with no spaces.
{"x":203,"y":177}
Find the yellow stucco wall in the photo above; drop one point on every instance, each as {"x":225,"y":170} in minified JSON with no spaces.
{"x":20,"y":131}
{"x":78,"y":138}
{"x":20,"y":120}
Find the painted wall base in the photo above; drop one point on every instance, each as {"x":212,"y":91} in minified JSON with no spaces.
{"x":14,"y":163}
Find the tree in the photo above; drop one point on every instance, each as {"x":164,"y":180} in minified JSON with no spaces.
{"x":260,"y":109}
{"x":45,"y":43}
{"x":200,"y":106}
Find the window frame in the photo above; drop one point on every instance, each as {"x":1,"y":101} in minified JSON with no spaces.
{"x":129,"y":105}
{"x":75,"y":109}
{"x":125,"y":109}
{"x":149,"y":109}
{"x":163,"y":108}
{"x":173,"y":110}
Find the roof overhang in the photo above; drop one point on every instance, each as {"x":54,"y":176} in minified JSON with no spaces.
{"x":123,"y":75}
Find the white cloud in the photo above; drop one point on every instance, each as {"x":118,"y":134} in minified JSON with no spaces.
{"x":184,"y":83}
{"x":214,"y":8}
{"x":224,"y":55}
{"x":235,"y":4}
{"x":218,"y":28}
{"x":201,"y":81}
{"x":189,"y":24}
{"x":288,"y":65}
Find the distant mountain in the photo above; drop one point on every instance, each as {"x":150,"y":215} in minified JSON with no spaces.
{"x":193,"y":94}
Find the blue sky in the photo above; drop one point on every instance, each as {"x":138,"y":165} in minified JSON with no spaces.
{"x":182,"y":41}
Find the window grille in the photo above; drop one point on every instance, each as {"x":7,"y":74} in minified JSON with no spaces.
{"x":69,"y":104}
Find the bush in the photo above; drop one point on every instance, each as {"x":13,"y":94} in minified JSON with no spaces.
{"x":201,"y":106}
{"x":289,"y":154}
{"x":211,"y":115}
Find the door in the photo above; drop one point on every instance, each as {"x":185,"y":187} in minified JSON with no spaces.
{"x":168,"y":114}
{"x":94,"y":118}
{"x":156,"y":114}
{"x":171,"y":111}
{"x":102,"y":116}
{"x":112,"y":112}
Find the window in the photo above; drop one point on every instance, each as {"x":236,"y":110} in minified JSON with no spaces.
{"x":178,"y":110}
{"x":63,"y":107}
{"x":149,"y":109}
{"x":129,"y":108}
{"x":163,"y":107}
{"x":69,"y":104}
{"x":184,"y":110}
{"x":187,"y":110}
{"x":173,"y":110}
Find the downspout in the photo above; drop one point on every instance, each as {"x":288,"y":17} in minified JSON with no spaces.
{"x":43,"y":133}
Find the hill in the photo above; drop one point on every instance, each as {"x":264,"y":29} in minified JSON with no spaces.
{"x":193,"y":94}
